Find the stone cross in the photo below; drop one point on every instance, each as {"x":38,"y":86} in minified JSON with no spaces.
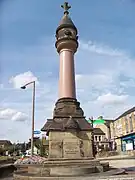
{"x":66,"y":7}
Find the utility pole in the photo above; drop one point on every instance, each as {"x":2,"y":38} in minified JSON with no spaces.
{"x":92,"y":135}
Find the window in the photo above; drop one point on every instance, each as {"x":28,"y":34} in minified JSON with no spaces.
{"x":131,"y":123}
{"x":99,"y":138}
{"x":126,"y":124}
{"x":95,"y":138}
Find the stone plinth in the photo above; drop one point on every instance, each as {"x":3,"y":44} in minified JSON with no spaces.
{"x":69,"y":132}
{"x":71,"y":170}
{"x":70,"y":144}
{"x":66,"y":167}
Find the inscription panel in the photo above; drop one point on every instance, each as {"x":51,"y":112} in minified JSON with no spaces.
{"x":55,"y":149}
{"x":71,"y":149}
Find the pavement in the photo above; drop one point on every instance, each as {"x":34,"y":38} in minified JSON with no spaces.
{"x":121,"y":161}
{"x":118,"y":157}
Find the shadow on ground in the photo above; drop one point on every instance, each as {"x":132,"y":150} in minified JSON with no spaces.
{"x":7,"y":170}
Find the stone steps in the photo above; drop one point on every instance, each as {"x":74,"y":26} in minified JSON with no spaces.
{"x":71,"y":162}
{"x":95,"y":176}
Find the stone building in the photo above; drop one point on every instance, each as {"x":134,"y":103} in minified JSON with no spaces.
{"x":100,"y":139}
{"x":105,"y":127}
{"x":123,"y":130}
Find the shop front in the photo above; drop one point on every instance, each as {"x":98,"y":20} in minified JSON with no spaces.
{"x":128,"y":142}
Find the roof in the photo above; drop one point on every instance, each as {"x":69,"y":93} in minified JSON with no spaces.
{"x":67,"y":123}
{"x":126,"y":113}
{"x":98,"y":131}
{"x":5,"y":142}
{"x":66,"y":22}
{"x":109,"y":120}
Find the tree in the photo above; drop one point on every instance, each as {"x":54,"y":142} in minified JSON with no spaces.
{"x":23,"y":147}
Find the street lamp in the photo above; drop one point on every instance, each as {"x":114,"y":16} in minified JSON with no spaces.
{"x":93,"y":145}
{"x":33,"y":112}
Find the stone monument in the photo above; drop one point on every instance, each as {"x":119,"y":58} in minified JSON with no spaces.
{"x":70,"y":135}
{"x":69,"y":132}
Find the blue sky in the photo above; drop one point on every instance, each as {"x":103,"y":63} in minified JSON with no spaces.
{"x":105,"y":60}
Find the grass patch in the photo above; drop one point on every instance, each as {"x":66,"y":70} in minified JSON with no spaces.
{"x":4,"y":158}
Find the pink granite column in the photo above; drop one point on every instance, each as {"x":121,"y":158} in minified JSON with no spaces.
{"x":67,"y":74}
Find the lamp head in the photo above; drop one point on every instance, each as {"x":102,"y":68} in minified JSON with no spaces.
{"x":23,"y":87}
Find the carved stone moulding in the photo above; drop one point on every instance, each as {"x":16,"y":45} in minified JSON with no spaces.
{"x":68,"y":107}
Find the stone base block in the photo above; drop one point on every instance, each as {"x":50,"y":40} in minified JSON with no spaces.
{"x":99,"y":177}
{"x":71,"y":171}
{"x":66,"y":167}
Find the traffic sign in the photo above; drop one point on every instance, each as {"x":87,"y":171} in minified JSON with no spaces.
{"x":37,"y":132}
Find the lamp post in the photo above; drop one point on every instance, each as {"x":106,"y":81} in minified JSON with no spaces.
{"x":33,"y":113}
{"x":93,"y":146}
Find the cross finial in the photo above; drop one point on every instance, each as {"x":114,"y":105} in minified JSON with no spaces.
{"x":66,"y":7}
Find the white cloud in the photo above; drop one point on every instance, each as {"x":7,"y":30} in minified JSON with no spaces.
{"x":22,"y":79}
{"x":112,"y":99}
{"x":12,"y":114}
{"x":103,"y":58}
{"x":100,"y":48}
{"x":7,"y":113}
{"x":19,"y":116}
{"x":96,"y":80}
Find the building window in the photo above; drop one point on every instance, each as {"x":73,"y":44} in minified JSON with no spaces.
{"x":131,"y":123}
{"x":99,"y":138}
{"x":126,"y":124}
{"x":95,"y":138}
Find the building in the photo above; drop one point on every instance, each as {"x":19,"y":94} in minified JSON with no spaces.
{"x":36,"y":151}
{"x":100,"y":139}
{"x":5,"y":143}
{"x":105,"y":127}
{"x":123,"y":130}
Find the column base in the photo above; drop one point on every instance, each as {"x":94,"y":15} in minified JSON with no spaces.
{"x":68,"y":107}
{"x":67,"y":115}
